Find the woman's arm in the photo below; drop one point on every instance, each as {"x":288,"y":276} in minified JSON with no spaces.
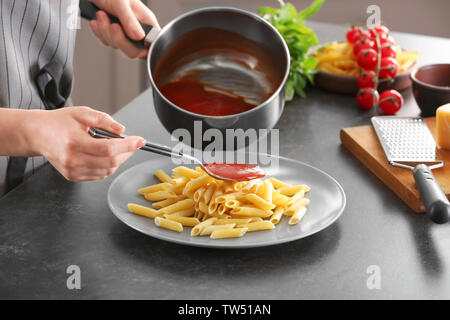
{"x":62,"y":137}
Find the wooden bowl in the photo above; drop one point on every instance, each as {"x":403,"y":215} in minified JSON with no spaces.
{"x":347,"y":84}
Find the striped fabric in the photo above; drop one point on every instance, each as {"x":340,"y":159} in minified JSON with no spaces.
{"x":34,"y":35}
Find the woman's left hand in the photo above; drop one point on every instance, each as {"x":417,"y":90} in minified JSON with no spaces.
{"x":130,"y":13}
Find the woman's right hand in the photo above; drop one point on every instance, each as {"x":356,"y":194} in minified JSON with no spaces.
{"x":62,"y":137}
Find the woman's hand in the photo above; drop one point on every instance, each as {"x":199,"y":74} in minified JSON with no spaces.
{"x":62,"y":137}
{"x":130,"y":13}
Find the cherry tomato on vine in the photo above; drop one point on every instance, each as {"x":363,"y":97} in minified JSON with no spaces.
{"x":364,"y":43}
{"x":359,"y":35}
{"x":387,"y":39}
{"x":367,"y":98}
{"x":388,"y":68}
{"x":380,"y":30}
{"x":367,"y":59}
{"x":366,"y":79}
{"x":390,"y":101}
{"x":352,"y":32}
{"x":388,"y":50}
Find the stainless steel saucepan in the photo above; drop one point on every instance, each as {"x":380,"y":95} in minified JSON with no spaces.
{"x":258,"y":76}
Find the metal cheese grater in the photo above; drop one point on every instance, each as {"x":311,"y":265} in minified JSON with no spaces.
{"x":408,"y":144}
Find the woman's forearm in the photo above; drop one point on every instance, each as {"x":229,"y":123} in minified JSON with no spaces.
{"x":16,"y":132}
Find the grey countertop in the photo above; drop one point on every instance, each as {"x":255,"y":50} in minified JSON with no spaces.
{"x":47,"y":224}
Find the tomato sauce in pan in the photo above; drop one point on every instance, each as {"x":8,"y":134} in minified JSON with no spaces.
{"x":236,"y":171}
{"x":192,"y":96}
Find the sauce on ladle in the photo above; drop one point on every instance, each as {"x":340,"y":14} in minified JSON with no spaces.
{"x":235,"y":171}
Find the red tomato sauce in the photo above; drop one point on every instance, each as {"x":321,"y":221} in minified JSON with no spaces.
{"x":192,"y":96}
{"x":236,"y":171}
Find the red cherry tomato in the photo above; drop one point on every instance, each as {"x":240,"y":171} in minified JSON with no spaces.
{"x":351,"y":33}
{"x":388,"y":39}
{"x":359,"y":35}
{"x":388,"y":50}
{"x":367,"y":59}
{"x":367,"y":98}
{"x":380,"y":30}
{"x":388,"y":68}
{"x":366,"y":79}
{"x":390,"y":101}
{"x":364,"y":43}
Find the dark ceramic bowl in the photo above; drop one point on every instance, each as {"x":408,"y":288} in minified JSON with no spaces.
{"x":431,"y":87}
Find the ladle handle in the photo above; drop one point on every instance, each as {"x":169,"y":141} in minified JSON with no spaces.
{"x":88,"y":11}
{"x":149,"y":146}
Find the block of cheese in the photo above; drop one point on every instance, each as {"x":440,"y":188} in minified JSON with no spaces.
{"x":443,"y":126}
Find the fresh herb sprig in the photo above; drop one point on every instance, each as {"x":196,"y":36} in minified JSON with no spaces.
{"x":291,"y":25}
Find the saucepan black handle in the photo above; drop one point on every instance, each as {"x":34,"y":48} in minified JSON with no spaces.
{"x":88,"y":11}
{"x":434,"y":199}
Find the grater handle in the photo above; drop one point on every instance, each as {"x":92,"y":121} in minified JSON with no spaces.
{"x":434,"y":199}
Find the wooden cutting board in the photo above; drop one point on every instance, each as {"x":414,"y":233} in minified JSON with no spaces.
{"x":363,"y":143}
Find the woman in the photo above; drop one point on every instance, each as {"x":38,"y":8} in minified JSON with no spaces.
{"x":36,"y":51}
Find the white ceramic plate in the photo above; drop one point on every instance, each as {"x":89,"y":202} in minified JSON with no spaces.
{"x":326,"y":195}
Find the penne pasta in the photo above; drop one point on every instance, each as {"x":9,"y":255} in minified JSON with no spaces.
{"x":183,"y":213}
{"x":163,"y":177}
{"x":220,"y":209}
{"x":211,"y":228}
{"x":231,"y":220}
{"x":237,"y":186}
{"x":160,"y":195}
{"x":232,"y":204}
{"x":199,"y":228}
{"x":154,"y":188}
{"x":203,"y":207}
{"x":185,"y":221}
{"x":186,"y":172}
{"x":257,"y":226}
{"x":212,"y":207}
{"x":142,"y":210}
{"x":298,"y":196}
{"x":251,"y":186}
{"x":296,"y":206}
{"x":279,"y":199}
{"x":291,"y":190}
{"x":265,"y":191}
{"x":167,"y":202}
{"x":298,"y":216}
{"x":207,"y":195}
{"x":228,"y":233}
{"x":199,"y":194}
{"x":277,"y":215}
{"x":230,"y":196}
{"x":251,"y":212}
{"x":260,"y":202}
{"x":277,"y":184}
{"x":196,"y":183}
{"x":168,"y":224}
{"x":178,"y":206}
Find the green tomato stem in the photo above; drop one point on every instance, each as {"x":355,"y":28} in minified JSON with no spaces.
{"x":377,"y":77}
